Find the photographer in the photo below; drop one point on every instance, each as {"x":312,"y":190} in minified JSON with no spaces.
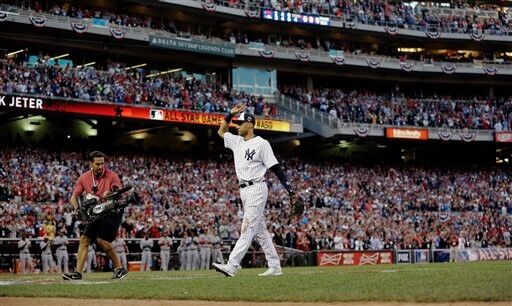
{"x":97,"y":182}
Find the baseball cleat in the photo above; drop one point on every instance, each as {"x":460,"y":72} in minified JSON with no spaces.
{"x":119,"y":273}
{"x":72,"y":276}
{"x":224,"y":269}
{"x":272,"y":272}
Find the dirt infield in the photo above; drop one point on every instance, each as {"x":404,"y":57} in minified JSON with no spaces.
{"x":87,"y":302}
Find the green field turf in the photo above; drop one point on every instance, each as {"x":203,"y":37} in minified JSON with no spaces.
{"x":449,"y":282}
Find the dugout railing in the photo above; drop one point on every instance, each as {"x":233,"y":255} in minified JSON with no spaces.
{"x":9,"y":256}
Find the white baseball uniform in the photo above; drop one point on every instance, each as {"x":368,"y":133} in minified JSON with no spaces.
{"x":145,"y":246}
{"x":120,"y":247}
{"x":165,"y":243}
{"x":25,"y":259}
{"x":62,"y":253}
{"x":252,"y":159}
{"x":91,"y":258}
{"x":46,"y":255}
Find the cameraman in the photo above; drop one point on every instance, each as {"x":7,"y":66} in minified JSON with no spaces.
{"x":98,"y":182}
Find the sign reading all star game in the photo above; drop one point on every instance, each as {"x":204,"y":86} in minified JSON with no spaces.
{"x":192,"y":46}
{"x":127,"y":111}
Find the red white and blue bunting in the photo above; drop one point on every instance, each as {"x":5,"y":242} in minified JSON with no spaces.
{"x":448,"y":68}
{"x":37,"y":21}
{"x":373,"y":62}
{"x":444,"y":216}
{"x":209,"y":6}
{"x":391,"y":30}
{"x":3,"y":16}
{"x":491,"y":70}
{"x":407,"y":67}
{"x":338,"y":60}
{"x":433,"y":33}
{"x":476,"y":35}
{"x":252,"y":14}
{"x":445,"y":135}
{"x":78,"y":27}
{"x":267,"y":53}
{"x":362,"y":131}
{"x":467,"y":137}
{"x":303,"y":57}
{"x":118,"y":33}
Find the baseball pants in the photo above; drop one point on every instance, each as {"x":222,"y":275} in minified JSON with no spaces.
{"x":254,"y":225}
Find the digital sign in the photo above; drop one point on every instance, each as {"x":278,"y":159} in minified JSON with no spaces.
{"x":294,"y":17}
{"x":127,"y":111}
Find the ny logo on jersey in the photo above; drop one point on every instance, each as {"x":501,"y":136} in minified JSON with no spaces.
{"x":249,"y":155}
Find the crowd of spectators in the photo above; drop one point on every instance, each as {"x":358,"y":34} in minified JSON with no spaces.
{"x":401,"y":110}
{"x":348,"y":206}
{"x":402,"y":14}
{"x":120,"y":85}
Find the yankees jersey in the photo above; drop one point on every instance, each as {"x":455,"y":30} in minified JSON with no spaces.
{"x":252,"y":157}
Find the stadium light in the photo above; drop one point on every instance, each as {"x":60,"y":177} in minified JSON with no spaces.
{"x":136,"y":66}
{"x":163,"y":72}
{"x":16,"y":52}
{"x":85,"y":65}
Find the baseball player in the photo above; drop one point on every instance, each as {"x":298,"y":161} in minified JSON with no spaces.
{"x":165,"y":243}
{"x":253,"y":155}
{"x":25,"y":259}
{"x":46,"y":255}
{"x":191,"y":244}
{"x":205,"y":250}
{"x":145,"y":246}
{"x":61,"y":242}
{"x":121,"y":249}
{"x":91,"y":258}
{"x":216,"y":248}
{"x":182,"y":251}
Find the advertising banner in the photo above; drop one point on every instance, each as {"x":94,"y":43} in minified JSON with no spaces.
{"x":403,"y":133}
{"x":130,"y":112}
{"x":403,"y":257}
{"x":503,"y":137}
{"x":357,"y":258}
{"x":421,"y":256}
{"x":485,"y":254}
{"x":441,"y":255}
{"x":191,"y":45}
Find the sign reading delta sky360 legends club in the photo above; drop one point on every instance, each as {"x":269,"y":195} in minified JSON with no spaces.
{"x":129,"y":112}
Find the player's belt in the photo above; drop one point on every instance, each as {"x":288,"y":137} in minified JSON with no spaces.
{"x":244,"y":184}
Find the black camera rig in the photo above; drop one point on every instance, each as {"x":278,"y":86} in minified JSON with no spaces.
{"x":92,"y":210}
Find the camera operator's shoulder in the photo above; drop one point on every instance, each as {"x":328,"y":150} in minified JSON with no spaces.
{"x":84,"y":175}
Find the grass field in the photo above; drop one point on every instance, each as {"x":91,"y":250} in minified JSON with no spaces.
{"x":449,"y":282}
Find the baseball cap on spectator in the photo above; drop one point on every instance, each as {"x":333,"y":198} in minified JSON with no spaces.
{"x":245,"y":117}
